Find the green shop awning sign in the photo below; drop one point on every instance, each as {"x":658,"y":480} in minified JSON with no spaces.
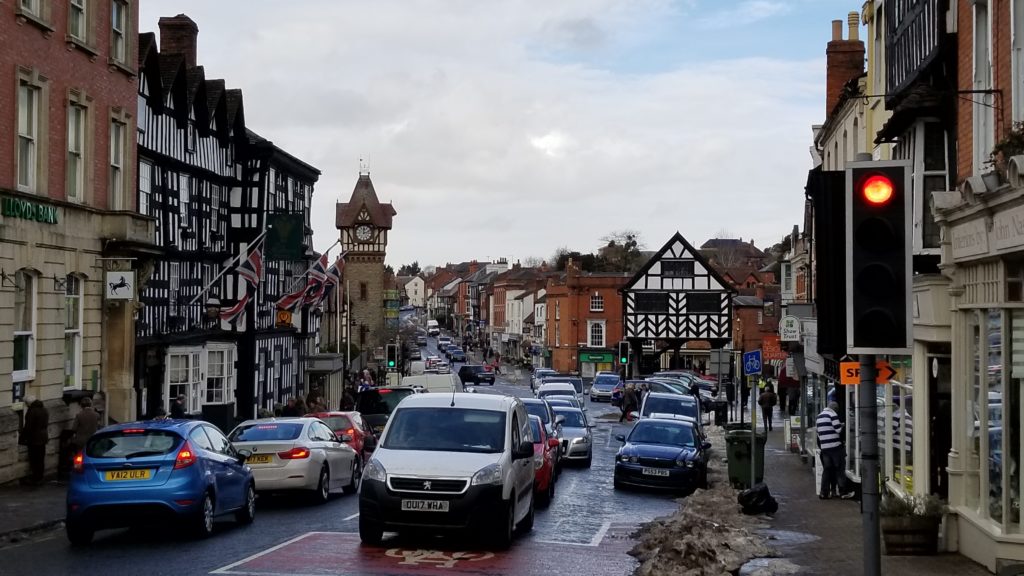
{"x":28,"y":210}
{"x":604,"y":358}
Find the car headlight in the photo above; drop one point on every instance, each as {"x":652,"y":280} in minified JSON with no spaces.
{"x":583,"y":440}
{"x":490,"y":474}
{"x":683,"y":463}
{"x":374,"y":470}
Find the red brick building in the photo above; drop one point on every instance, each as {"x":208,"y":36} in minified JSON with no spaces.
{"x":584,"y":320}
{"x":68,"y":85}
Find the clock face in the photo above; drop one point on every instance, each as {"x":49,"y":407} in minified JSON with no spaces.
{"x":363,"y":233}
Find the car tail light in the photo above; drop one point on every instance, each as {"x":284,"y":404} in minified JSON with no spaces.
{"x":186,"y":457}
{"x":296,"y":453}
{"x":78,"y":463}
{"x":133,"y":431}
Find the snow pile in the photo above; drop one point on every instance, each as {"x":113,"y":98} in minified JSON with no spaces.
{"x":707,"y":536}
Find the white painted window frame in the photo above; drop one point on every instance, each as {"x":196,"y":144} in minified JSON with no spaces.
{"x":598,"y":343}
{"x":982,"y":111}
{"x":29,"y":373}
{"x":596,"y":302}
{"x":29,"y":95}
{"x":76,"y":139}
{"x":73,"y":365}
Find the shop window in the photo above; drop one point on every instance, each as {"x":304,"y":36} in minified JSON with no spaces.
{"x":24,"y":367}
{"x":183,"y":378}
{"x":72,"y":331}
{"x":220,"y":370}
{"x":1015,"y":281}
{"x":1012,"y":412}
{"x":991,"y":420}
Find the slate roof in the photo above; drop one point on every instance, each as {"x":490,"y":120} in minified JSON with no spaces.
{"x":747,"y":301}
{"x":364,"y":195}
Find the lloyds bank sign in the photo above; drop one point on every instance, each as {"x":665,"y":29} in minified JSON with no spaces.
{"x":28,"y":210}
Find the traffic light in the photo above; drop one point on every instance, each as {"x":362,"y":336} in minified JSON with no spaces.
{"x":623,"y":352}
{"x":392,"y":355}
{"x":878,"y":257}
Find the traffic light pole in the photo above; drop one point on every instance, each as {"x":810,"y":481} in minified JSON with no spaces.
{"x":867,"y":413}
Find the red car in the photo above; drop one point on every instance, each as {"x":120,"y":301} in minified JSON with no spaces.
{"x":544,"y":453}
{"x":351,"y":424}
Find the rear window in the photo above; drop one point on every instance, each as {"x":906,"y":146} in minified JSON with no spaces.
{"x":380,"y":401}
{"x":606,"y":380}
{"x":544,"y":393}
{"x":573,"y":418}
{"x":535,"y":427}
{"x":538,"y":410}
{"x":683,"y":406}
{"x":337,"y":422}
{"x":576,"y":383}
{"x":268,"y":431}
{"x":131,"y":443}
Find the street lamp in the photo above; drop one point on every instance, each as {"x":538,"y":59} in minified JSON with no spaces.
{"x":213,"y":308}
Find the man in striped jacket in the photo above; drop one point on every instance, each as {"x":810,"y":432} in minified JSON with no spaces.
{"x":829,"y":430}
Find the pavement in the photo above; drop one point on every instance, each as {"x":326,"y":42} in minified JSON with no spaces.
{"x":27,"y":509}
{"x":824,"y":536}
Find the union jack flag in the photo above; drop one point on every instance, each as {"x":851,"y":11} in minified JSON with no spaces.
{"x":304,"y":294}
{"x":252,"y":268}
{"x":317,"y":283}
{"x":331,"y":279}
{"x":237,"y":311}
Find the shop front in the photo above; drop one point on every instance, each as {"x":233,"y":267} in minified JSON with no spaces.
{"x":594,"y":360}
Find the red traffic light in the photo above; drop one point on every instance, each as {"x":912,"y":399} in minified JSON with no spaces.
{"x":877,"y":189}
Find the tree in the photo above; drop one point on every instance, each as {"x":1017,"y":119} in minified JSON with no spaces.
{"x":389,"y":271}
{"x":622,"y":251}
{"x":533,"y":262}
{"x":409,"y":269}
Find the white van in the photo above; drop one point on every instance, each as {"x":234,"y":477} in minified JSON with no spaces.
{"x":445,"y":383}
{"x":417,"y":367}
{"x":466,"y":461}
{"x":432,"y":328}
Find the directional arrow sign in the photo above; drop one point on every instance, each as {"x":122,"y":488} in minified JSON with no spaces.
{"x":849,"y":372}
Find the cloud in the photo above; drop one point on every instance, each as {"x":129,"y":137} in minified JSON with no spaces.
{"x":488,"y":147}
{"x":746,"y":13}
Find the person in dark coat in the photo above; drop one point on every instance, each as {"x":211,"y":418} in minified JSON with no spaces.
{"x":767,"y":401}
{"x":629,"y":401}
{"x":86,"y":422}
{"x":35,"y":436}
{"x":348,"y":401}
{"x":290,"y":409}
{"x":178,"y":407}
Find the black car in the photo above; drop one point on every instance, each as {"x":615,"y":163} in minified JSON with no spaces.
{"x":377,"y":404}
{"x":476,"y":374}
{"x":421,"y":340}
{"x":662,"y":453}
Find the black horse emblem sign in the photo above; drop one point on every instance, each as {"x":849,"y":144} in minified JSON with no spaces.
{"x":119,"y":286}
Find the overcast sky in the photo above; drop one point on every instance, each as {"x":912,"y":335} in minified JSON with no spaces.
{"x":509,"y":129}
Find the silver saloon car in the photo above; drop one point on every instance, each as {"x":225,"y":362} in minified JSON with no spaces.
{"x":577,"y":440}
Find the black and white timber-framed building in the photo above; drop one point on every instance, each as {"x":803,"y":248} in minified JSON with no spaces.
{"x":675,"y":298}
{"x":210,"y":182}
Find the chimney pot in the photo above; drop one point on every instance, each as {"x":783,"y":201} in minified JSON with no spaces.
{"x":837,"y":30}
{"x":853,"y":21}
{"x":178,"y":35}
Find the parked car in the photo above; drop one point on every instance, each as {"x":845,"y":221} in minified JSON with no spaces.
{"x":689,"y":375}
{"x":552,"y":423}
{"x":456,"y":354}
{"x":443,"y":342}
{"x":565,"y":400}
{"x":154,"y":471}
{"x":545,"y":452}
{"x":421,"y":339}
{"x":298,"y":454}
{"x":451,"y":463}
{"x":602,"y":386}
{"x":352,"y":425}
{"x":575,"y":381}
{"x":576,"y":437}
{"x":556,"y":389}
{"x":475,"y":374}
{"x":539,"y":375}
{"x":662,"y":453}
{"x":376,"y":404}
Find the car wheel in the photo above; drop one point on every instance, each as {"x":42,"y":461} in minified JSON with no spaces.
{"x":78,"y":535}
{"x":248,"y":511}
{"x":589,"y":460}
{"x":618,"y":485}
{"x":370,"y":532}
{"x":323,"y":488}
{"x":203,"y":522}
{"x":357,"y":477}
{"x":505,"y":528}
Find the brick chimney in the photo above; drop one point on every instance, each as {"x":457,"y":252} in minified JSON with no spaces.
{"x":844,"y":60}
{"x":759,"y":290}
{"x":178,"y":36}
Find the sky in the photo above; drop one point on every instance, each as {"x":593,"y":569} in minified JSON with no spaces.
{"x":514,"y":128}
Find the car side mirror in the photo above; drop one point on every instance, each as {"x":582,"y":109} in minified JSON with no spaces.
{"x":621,"y":438}
{"x":525,"y":450}
{"x":553,"y":442}
{"x":369,"y":443}
{"x":243,"y":455}
{"x":345,"y":438}
{"x":705,"y":445}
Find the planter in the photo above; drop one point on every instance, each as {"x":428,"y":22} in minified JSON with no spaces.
{"x":910,"y":535}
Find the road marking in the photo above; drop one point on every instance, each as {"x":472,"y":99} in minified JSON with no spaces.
{"x":225,"y":569}
{"x":594,"y":542}
{"x":352,"y":517}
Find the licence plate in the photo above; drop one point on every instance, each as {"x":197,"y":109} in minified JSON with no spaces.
{"x":655,"y":472}
{"x":425,"y":505}
{"x":115,"y":475}
{"x":258,"y":459}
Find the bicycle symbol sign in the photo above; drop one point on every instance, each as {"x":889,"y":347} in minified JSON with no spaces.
{"x":752,"y":363}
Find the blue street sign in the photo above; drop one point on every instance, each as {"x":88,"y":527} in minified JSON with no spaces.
{"x":752,"y":363}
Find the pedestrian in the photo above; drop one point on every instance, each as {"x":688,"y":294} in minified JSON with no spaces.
{"x":830,"y":442}
{"x":35,"y":435}
{"x":348,"y":402}
{"x":767,"y":401}
{"x":629,"y":403}
{"x":300,"y":407}
{"x":368,"y":377}
{"x":178,"y":407}
{"x":314,"y":396}
{"x":290,"y":409}
{"x":86,"y":422}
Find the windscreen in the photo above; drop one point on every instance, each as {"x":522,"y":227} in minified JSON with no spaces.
{"x":573,"y":418}
{"x":337,"y":423}
{"x":647,"y":432}
{"x":130,"y":443}
{"x":266,"y":431}
{"x":684,"y":405}
{"x":380,"y":401}
{"x":446,"y":430}
{"x":606,"y":381}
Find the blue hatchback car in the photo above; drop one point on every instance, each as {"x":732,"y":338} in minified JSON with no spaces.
{"x":154,"y":471}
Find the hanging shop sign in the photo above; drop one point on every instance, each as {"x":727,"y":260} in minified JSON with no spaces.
{"x":28,"y":210}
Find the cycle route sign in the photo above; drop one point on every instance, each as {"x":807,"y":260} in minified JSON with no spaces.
{"x":752,"y":362}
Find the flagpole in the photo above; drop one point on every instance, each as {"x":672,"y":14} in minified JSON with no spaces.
{"x":303,"y":275}
{"x":348,"y":324}
{"x":228,"y":266}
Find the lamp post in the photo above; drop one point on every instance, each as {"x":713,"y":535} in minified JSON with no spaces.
{"x":213,"y":308}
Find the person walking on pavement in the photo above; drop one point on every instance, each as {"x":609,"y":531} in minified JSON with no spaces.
{"x":178,"y":407}
{"x":35,"y":435}
{"x":629,"y":402}
{"x":86,"y":422}
{"x":767,"y":401}
{"x":829,"y":431}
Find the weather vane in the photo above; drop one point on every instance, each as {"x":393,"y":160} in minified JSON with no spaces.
{"x":364,"y":166}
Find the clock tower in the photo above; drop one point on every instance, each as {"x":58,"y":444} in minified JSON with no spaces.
{"x":363,"y":223}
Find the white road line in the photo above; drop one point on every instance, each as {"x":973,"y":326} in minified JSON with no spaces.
{"x":352,"y":517}
{"x":225,"y":569}
{"x":596,"y":540}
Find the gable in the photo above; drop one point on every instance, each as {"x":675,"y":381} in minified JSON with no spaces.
{"x":677,"y":266}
